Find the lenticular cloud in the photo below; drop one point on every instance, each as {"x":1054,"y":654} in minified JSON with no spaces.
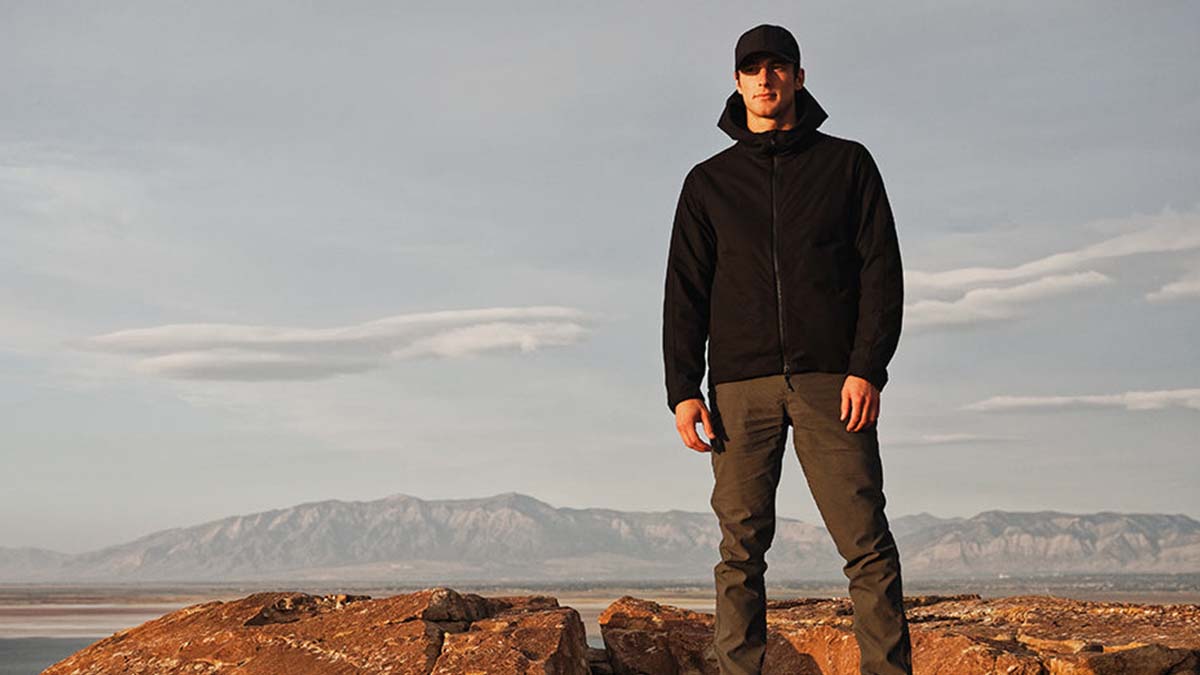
{"x":242,"y":352}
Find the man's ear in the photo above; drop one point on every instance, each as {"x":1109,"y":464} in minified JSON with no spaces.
{"x":799,"y":78}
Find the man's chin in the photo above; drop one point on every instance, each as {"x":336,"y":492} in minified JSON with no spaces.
{"x":769,"y":112}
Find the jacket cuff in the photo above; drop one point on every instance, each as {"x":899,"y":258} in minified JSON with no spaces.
{"x":676,"y":399}
{"x":879,"y":377}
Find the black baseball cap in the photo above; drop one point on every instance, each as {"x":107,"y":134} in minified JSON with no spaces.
{"x":766,"y":38}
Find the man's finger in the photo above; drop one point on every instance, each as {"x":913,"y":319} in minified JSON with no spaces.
{"x":691,"y":440}
{"x":855,"y":414}
{"x":845,"y":405}
{"x":708,"y":427}
{"x":865,"y":420}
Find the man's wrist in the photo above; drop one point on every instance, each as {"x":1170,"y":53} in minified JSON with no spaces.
{"x":877,"y":378}
{"x":674,"y":402}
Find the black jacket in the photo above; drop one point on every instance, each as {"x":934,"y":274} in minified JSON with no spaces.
{"x":784,"y":257}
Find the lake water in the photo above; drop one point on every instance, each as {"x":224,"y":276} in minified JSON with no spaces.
{"x":30,"y":656}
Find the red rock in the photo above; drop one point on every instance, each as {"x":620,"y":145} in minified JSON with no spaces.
{"x":300,"y":634}
{"x":645,"y":637}
{"x":516,"y":643}
{"x":952,"y":635}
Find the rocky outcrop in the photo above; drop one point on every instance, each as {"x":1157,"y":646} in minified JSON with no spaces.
{"x":951,"y":635}
{"x":436,"y":631}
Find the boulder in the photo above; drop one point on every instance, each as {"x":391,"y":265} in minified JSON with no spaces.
{"x":436,"y":630}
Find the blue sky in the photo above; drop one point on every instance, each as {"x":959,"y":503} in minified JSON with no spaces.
{"x":257,"y":256}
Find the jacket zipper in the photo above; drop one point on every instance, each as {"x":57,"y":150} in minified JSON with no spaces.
{"x":775,"y":263}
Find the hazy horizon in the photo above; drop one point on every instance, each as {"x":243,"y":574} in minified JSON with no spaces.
{"x":817,"y":522}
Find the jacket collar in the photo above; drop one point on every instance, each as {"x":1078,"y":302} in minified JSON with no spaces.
{"x":809,"y":116}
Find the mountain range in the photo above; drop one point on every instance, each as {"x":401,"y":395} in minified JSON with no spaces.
{"x":513,"y":537}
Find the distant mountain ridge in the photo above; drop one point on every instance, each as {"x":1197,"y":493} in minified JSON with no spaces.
{"x":515,"y":537}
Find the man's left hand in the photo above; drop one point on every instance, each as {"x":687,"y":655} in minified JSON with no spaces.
{"x":860,"y":399}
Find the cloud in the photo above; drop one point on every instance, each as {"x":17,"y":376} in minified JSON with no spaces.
{"x":949,"y":439}
{"x":981,"y":305}
{"x":999,"y":293}
{"x":1130,"y":400}
{"x":239,"y":352}
{"x":1163,"y":233}
{"x":1186,"y":287}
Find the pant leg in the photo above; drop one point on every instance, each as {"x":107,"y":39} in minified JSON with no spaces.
{"x":752,"y":423}
{"x":845,"y":473}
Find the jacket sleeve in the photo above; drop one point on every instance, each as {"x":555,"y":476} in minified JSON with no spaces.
{"x":881,"y":303}
{"x":691,"y":260}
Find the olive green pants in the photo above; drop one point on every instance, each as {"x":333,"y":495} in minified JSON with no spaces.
{"x":845,"y":475}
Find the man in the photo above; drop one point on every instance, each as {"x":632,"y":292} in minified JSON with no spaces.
{"x":784,"y":257}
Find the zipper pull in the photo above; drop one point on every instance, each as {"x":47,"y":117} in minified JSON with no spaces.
{"x":787,"y":377}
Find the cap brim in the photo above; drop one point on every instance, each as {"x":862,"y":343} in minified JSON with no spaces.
{"x":761,"y":52}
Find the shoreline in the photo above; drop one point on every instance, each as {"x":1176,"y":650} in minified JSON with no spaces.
{"x":80,"y":612}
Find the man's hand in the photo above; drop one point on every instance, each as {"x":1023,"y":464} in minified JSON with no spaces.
{"x":860,"y":399}
{"x":687,"y":415}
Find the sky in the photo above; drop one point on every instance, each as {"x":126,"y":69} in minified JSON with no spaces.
{"x":254,"y":255}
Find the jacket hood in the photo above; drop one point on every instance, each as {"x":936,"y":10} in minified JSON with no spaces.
{"x":809,"y":116}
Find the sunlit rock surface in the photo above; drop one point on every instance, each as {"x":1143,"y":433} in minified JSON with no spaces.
{"x":951,"y":635}
{"x":436,"y":630}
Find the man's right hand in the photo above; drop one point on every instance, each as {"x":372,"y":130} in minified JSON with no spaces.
{"x":688,"y":414}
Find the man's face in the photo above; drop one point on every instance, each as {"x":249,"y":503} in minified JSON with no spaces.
{"x":768,"y":85}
